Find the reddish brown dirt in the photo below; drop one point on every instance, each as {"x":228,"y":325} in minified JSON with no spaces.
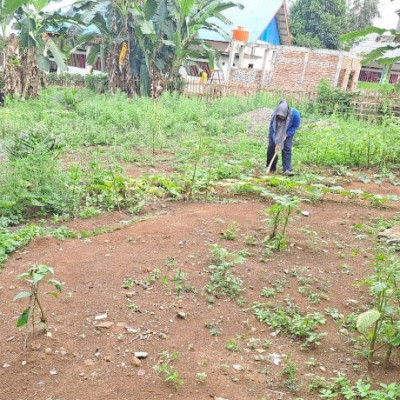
{"x":92,"y":363}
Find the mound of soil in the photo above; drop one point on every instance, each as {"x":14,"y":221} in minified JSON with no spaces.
{"x":258,"y":119}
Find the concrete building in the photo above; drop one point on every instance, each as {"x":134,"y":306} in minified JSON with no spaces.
{"x":374,"y":72}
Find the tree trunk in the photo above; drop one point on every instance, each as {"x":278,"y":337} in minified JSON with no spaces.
{"x":157,"y":85}
{"x":21,"y":74}
{"x":29,"y":74}
{"x":12,"y":68}
{"x":119,"y":76}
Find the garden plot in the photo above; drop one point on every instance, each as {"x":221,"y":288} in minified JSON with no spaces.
{"x":185,"y":271}
{"x":147,"y":289}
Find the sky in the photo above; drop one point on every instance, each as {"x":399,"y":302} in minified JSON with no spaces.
{"x":388,"y":18}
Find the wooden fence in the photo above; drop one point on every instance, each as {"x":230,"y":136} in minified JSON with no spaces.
{"x":367,"y":105}
{"x":216,"y":90}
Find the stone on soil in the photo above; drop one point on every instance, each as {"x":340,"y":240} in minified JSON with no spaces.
{"x":140,"y":354}
{"x":105,"y":324}
{"x":391,"y":235}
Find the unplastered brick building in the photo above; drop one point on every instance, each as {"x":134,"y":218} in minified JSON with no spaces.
{"x":292,"y":68}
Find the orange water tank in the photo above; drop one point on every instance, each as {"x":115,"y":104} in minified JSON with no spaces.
{"x":241,"y":34}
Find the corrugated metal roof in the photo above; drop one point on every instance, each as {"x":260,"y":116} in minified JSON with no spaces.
{"x":255,"y":16}
{"x":372,"y":42}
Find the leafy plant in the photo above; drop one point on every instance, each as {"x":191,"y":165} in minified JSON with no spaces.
{"x":332,"y":100}
{"x":213,"y":328}
{"x":232,"y":346}
{"x":231,"y":231}
{"x":268,"y":292}
{"x":167,"y":371}
{"x":34,"y":276}
{"x":201,"y":376}
{"x":362,"y":389}
{"x":128,"y":283}
{"x":250,"y":241}
{"x":222,"y":283}
{"x":12,"y":241}
{"x":280,"y":213}
{"x":290,"y":371}
{"x":153,"y":277}
{"x":292,"y":322}
{"x":33,"y":142}
{"x":179,"y":280}
{"x":380,"y":325}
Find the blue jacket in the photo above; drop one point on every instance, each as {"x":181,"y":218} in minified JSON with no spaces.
{"x":294,"y":124}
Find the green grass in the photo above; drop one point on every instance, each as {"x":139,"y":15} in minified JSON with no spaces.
{"x":99,"y":136}
{"x":375,"y":86}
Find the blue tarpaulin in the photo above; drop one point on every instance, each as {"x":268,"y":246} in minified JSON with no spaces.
{"x":271,"y":34}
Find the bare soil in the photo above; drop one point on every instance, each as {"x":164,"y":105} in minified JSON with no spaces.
{"x":80,"y":359}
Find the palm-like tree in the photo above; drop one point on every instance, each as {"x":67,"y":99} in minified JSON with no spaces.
{"x":143,"y":42}
{"x":162,"y":36}
{"x":181,"y":32}
{"x":32,"y":50}
{"x":147,"y":41}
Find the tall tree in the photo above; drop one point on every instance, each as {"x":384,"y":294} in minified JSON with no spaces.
{"x":318,"y":24}
{"x":361,"y":13}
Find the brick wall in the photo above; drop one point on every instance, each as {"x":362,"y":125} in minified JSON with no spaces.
{"x":301,"y":69}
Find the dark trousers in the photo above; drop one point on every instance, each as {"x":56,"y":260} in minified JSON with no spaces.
{"x":286,"y":154}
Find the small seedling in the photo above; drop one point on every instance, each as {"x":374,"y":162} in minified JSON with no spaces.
{"x":133,"y":307}
{"x":127,"y":283}
{"x":34,"y":276}
{"x":266,"y":344}
{"x":201,"y":376}
{"x":231,"y":231}
{"x":290,"y":371}
{"x":250,"y":241}
{"x":153,"y":277}
{"x":253,"y":343}
{"x":169,"y":373}
{"x":222,"y":283}
{"x":334,"y":313}
{"x":295,"y":271}
{"x":179,"y":280}
{"x":314,"y":241}
{"x":268,"y":292}
{"x":311,"y":362}
{"x":213,"y":328}
{"x":280,"y":213}
{"x":232,"y":346}
{"x":241,"y":301}
{"x":225,"y":367}
{"x":170,"y":262}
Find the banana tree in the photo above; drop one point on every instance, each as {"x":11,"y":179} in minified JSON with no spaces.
{"x":89,"y":27}
{"x":147,"y":41}
{"x":33,"y":52}
{"x":386,"y":54}
{"x":166,"y":32}
{"x":7,"y":11}
{"x":181,"y":32}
